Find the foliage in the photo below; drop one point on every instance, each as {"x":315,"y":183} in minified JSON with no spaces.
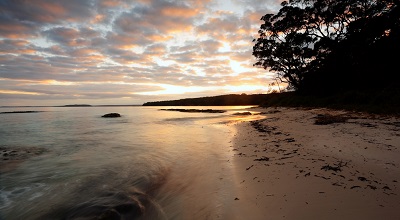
{"x":221,"y":100}
{"x":320,"y":45}
{"x":386,"y":101}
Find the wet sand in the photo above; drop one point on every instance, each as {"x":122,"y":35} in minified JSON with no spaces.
{"x":317,"y":164}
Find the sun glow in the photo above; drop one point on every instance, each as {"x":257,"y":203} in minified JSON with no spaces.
{"x":178,"y":90}
{"x":246,"y":88}
{"x":18,"y":92}
{"x":174,"y":90}
{"x":59,"y":83}
{"x":225,"y":48}
{"x":237,"y":67}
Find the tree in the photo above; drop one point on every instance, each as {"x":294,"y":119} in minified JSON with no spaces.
{"x":308,"y":41}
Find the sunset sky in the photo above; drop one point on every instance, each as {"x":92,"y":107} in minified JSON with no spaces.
{"x":56,"y":52}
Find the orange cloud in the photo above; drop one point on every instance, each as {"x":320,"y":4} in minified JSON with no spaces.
{"x":57,"y":50}
{"x":69,"y":32}
{"x":52,"y":7}
{"x":84,"y":52}
{"x":27,"y":51}
{"x":179,"y":12}
{"x":19,"y":51}
{"x":19,"y":43}
{"x":156,"y":49}
{"x":110,"y":3}
{"x":98,"y":19}
{"x":53,"y":10}
{"x":18,"y":92}
{"x":159,"y":38}
{"x":16,"y":47}
{"x":15,"y":30}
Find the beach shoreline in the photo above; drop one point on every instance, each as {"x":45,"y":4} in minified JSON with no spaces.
{"x":300,"y":163}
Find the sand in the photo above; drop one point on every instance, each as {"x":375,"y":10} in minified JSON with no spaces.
{"x":317,"y":164}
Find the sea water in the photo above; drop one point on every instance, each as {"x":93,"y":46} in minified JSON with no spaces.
{"x":147,"y":164}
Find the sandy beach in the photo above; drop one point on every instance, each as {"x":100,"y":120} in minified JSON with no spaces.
{"x":317,"y":164}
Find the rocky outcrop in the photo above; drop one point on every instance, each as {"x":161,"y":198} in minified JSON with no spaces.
{"x":242,"y":113}
{"x":111,"y":115}
{"x":195,"y":110}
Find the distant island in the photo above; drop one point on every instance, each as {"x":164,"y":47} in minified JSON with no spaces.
{"x":77,"y":105}
{"x":16,"y":112}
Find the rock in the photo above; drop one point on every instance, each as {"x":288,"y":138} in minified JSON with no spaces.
{"x":325,"y":119}
{"x":361,"y":178}
{"x":111,"y":115}
{"x":263,"y":158}
{"x":242,"y":113}
{"x":195,"y":110}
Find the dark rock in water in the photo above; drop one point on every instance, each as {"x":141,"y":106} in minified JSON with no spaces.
{"x":111,"y":115}
{"x":243,"y":113}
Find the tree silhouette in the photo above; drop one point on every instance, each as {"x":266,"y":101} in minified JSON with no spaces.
{"x":328,"y":44}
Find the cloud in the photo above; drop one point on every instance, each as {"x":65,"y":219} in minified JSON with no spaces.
{"x":10,"y":46}
{"x":126,"y":48}
{"x":155,"y":21}
{"x":14,"y":29}
{"x":270,"y":6}
{"x":66,"y":36}
{"x":47,"y":11}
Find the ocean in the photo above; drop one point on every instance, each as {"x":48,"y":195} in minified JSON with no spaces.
{"x":71,"y":163}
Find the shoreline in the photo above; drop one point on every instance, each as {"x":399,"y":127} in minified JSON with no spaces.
{"x":290,"y":167}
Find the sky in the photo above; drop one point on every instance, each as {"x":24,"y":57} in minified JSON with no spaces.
{"x":128,"y":52}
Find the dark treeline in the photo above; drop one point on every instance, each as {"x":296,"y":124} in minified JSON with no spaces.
{"x":326,"y":47}
{"x":385,"y":102}
{"x":222,"y":100}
